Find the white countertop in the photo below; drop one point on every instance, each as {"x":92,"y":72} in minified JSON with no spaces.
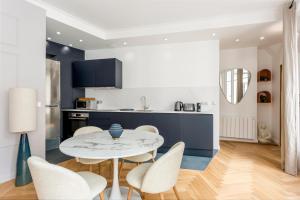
{"x":134,"y":111}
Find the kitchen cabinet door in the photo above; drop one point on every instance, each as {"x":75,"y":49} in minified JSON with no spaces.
{"x":98,"y":73}
{"x":169,"y":127}
{"x":83,"y":76}
{"x":101,"y":120}
{"x":197,"y":131}
{"x":105,"y":73}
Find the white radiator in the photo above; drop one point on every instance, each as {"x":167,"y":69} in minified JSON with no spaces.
{"x":240,"y":127}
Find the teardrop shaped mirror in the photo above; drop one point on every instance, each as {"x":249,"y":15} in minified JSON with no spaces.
{"x":234,"y":84}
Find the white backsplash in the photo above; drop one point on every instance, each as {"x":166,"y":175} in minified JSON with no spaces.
{"x":157,"y":98}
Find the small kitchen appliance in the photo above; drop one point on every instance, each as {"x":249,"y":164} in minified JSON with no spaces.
{"x":190,"y":107}
{"x":86,"y":103}
{"x":198,"y":107}
{"x":178,"y":106}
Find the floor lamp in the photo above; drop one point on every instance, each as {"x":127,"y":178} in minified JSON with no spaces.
{"x":22,"y":119}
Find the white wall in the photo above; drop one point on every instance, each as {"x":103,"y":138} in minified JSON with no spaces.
{"x":240,"y":58}
{"x":271,"y":57}
{"x":164,"y":74}
{"x":22,"y":64}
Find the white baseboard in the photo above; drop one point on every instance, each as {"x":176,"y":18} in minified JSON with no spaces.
{"x":238,"y":140}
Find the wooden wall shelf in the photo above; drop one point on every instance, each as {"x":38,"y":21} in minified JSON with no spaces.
{"x":264,"y":97}
{"x":264,"y":75}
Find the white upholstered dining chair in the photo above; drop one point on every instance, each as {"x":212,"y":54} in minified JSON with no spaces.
{"x":90,"y":162}
{"x":157,"y":177}
{"x":56,"y":182}
{"x":146,"y":156}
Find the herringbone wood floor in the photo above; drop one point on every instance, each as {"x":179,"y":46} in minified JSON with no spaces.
{"x":238,"y":171}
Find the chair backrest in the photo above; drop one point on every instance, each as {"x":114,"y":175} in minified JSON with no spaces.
{"x":86,"y":130}
{"x":148,"y":128}
{"x":151,"y":129}
{"x":162,"y":175}
{"x":55,"y":182}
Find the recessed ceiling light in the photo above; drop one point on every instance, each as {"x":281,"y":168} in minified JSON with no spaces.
{"x":80,"y":40}
{"x":58,"y":33}
{"x":124,"y":43}
{"x":237,"y":40}
{"x":70,"y":45}
{"x":165,"y":39}
{"x":262,"y":38}
{"x":49,"y":38}
{"x":213,"y":34}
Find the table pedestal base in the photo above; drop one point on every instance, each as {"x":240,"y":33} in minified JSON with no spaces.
{"x":124,"y":192}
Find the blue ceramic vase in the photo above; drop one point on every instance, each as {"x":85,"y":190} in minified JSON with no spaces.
{"x":115,"y":131}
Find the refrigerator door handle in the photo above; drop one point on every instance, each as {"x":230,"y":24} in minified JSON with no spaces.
{"x":52,"y":106}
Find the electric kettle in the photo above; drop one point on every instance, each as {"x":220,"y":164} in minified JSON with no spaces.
{"x":178,"y":106}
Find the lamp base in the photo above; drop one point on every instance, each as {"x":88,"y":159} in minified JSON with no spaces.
{"x":23,"y":176}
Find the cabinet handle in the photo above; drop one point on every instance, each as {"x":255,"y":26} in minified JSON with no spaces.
{"x":78,"y":118}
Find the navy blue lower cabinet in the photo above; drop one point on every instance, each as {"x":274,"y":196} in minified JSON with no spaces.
{"x":196,"y":130}
{"x":101,"y":120}
{"x":169,"y":127}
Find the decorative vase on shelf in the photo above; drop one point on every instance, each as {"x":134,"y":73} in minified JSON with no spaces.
{"x":115,"y":131}
{"x":263,"y":99}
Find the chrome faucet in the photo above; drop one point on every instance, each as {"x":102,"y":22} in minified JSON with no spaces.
{"x":144,"y":101}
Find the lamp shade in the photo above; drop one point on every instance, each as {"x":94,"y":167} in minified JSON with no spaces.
{"x":22,"y":110}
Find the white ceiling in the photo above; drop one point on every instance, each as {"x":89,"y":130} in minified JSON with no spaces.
{"x":70,"y":35}
{"x":125,"y":14}
{"x":249,"y":35}
{"x":108,"y":23}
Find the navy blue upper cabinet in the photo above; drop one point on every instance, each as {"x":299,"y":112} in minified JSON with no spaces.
{"x":97,"y":73}
{"x":83,"y":75}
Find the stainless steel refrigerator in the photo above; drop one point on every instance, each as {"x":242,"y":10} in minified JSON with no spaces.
{"x":52,"y":104}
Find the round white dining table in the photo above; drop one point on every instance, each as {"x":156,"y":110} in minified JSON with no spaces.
{"x":100,"y":145}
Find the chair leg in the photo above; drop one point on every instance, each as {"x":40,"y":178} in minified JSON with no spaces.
{"x":112,"y":168}
{"x":99,"y":168}
{"x":102,"y":195}
{"x":161,"y":195}
{"x":129,"y":193}
{"x":176,"y":193}
{"x":120,"y":168}
{"x":91,"y":168}
{"x":143,"y":195}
